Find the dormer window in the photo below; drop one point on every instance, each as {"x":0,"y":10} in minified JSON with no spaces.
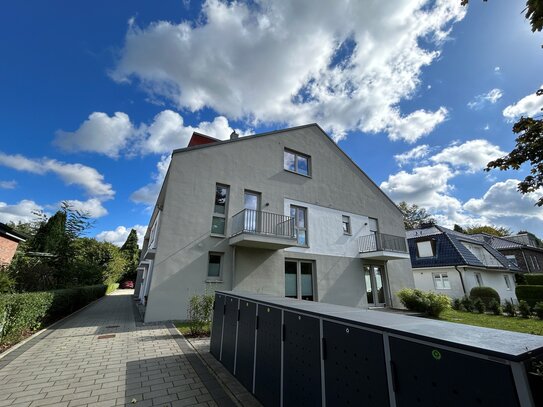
{"x":426,"y":248}
{"x":297,"y":162}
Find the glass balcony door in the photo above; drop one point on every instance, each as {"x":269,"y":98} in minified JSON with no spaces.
{"x":252,"y":202}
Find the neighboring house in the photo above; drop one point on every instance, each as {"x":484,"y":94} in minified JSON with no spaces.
{"x":285,"y":213}
{"x":452,"y":263}
{"x":521,"y":250}
{"x":9,"y":240}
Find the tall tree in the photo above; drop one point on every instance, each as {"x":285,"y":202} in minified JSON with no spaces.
{"x":529,"y":142}
{"x":488,"y":229}
{"x":414,"y":216}
{"x":131,"y":252}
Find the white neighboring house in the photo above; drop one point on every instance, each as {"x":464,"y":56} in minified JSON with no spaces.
{"x":452,"y":263}
{"x":283,"y":213}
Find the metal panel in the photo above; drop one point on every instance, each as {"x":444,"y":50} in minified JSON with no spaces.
{"x":216,"y":328}
{"x":354,"y":366}
{"x":229,"y":333}
{"x":301,"y":361}
{"x":246,"y":343}
{"x":268,"y":356}
{"x":432,"y":376}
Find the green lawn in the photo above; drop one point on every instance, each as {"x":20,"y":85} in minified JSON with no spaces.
{"x":517,"y":324}
{"x":183,"y":327}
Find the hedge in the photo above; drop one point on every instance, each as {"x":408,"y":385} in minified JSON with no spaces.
{"x":26,"y":312}
{"x":530,"y":293}
{"x":429,"y":303}
{"x":486,"y":294}
{"x":534,"y":279}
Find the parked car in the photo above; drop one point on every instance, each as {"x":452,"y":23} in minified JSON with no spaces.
{"x":127,"y":284}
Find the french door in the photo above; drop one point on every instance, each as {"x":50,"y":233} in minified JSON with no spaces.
{"x":374,"y":277}
{"x":299,"y":280}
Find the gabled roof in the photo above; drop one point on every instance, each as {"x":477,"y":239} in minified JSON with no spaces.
{"x":11,"y":233}
{"x":451,"y":251}
{"x":275,"y":132}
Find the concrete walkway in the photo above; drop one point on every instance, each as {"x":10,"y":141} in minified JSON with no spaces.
{"x":103,"y":357}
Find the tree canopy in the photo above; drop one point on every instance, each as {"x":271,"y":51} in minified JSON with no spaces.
{"x":414,"y":216}
{"x":131,"y":252}
{"x":487,"y":229}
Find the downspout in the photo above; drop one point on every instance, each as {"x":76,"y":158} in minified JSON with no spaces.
{"x":461,"y":279}
{"x":233,"y":266}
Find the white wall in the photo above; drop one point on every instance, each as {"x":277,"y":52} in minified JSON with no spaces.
{"x":492,"y":279}
{"x":325,"y":230}
{"x":424,"y":281}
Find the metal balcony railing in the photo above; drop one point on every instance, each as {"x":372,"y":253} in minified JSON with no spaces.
{"x":263,"y":223}
{"x":380,"y":242}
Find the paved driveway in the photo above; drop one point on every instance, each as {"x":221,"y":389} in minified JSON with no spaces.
{"x":103,"y":357}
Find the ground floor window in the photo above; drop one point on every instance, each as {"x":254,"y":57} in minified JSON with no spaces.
{"x":441,"y":281}
{"x":299,"y":279}
{"x":507,"y":281}
{"x":214,"y":265}
{"x":479,"y":279}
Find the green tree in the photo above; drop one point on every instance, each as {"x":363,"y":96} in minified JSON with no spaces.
{"x":131,"y":252}
{"x":414,"y":216}
{"x":458,"y":228}
{"x":488,"y":229}
{"x":529,"y":142}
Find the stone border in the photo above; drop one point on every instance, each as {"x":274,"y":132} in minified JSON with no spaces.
{"x":208,"y":379}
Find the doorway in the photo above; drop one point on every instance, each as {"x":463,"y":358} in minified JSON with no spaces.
{"x":374,"y":277}
{"x":251,"y":202}
{"x":299,"y":282}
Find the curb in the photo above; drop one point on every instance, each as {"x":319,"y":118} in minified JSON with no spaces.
{"x":41,"y":331}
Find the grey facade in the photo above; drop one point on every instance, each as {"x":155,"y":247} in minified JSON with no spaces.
{"x":355,"y":252}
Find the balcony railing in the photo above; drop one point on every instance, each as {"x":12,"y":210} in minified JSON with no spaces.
{"x":263,"y":223}
{"x":380,"y":242}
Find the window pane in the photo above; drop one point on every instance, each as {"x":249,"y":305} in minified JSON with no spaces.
{"x":289,"y":161}
{"x":379,"y":285}
{"x":307,"y":281}
{"x":217,"y":226}
{"x":291,"y":286}
{"x":301,"y":237}
{"x":446,"y":283}
{"x":221,"y":195}
{"x":214,"y":268}
{"x":507,"y":283}
{"x":346,"y":224}
{"x":300,"y":217}
{"x":369,"y":291}
{"x":425,"y":249}
{"x":251,"y":201}
{"x":303,"y":166}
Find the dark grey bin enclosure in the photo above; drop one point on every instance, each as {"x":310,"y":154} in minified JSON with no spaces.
{"x":312,"y":354}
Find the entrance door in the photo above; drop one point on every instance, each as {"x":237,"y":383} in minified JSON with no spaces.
{"x":252,"y":202}
{"x":375,"y":285}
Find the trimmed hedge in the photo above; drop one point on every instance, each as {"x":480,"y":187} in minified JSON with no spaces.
{"x":26,"y":312}
{"x":534,"y":279}
{"x":429,"y":303}
{"x":486,"y":294}
{"x":532,"y":294}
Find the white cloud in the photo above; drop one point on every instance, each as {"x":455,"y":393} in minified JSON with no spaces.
{"x":278,"y":62}
{"x":504,"y":200}
{"x":8,"y":184}
{"x":23,"y":211}
{"x":93,"y":207}
{"x":527,"y":106}
{"x":119,"y":235}
{"x":72,"y":174}
{"x":413,"y":154}
{"x":148,"y":194}
{"x":497,"y":69}
{"x":491,"y":97}
{"x":473,"y":154}
{"x":99,"y":133}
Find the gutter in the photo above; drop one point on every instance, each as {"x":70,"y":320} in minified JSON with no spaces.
{"x":461,"y":280}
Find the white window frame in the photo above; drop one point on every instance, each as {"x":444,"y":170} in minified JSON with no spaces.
{"x":221,"y":265}
{"x":346,"y":230}
{"x":296,"y":167}
{"x":220,"y":215}
{"x":432,"y":244}
{"x":507,"y":282}
{"x":443,"y":280}
{"x":512,"y":259}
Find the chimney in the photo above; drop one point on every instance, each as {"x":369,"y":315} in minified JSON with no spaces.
{"x":234,"y":135}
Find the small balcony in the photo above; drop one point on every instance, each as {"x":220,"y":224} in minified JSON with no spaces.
{"x":263,"y":230}
{"x":379,"y":246}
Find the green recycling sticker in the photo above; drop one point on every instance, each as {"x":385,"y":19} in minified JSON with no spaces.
{"x":436,"y":354}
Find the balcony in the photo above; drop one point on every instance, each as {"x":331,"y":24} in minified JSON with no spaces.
{"x":263,"y":230}
{"x":379,"y":246}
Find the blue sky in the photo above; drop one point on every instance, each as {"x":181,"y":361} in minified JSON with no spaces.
{"x":421,"y":94}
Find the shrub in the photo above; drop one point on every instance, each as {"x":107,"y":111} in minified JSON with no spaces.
{"x":530,"y":293}
{"x":112,"y":287}
{"x":478,"y":305}
{"x":26,"y":312}
{"x":495,"y":307}
{"x":538,"y":309}
{"x":509,"y":308}
{"x":524,"y":309}
{"x":533,"y":279}
{"x":467,"y":303}
{"x":456,"y":304}
{"x":486,"y":294}
{"x":428,"y":303}
{"x":199,"y":314}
